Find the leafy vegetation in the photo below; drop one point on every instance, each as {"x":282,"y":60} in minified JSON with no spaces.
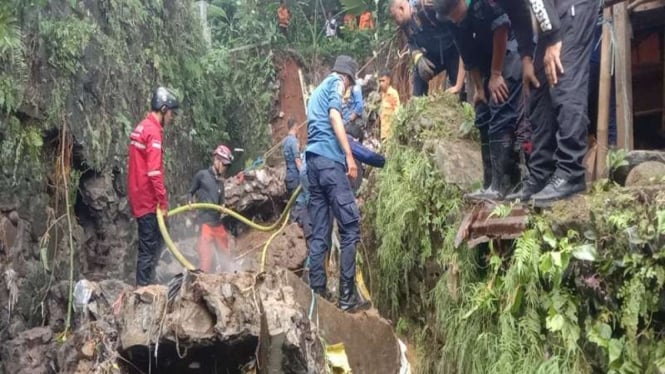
{"x":580,"y":291}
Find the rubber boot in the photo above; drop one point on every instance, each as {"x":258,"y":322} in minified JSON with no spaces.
{"x":349,"y":301}
{"x":487,"y":165}
{"x":324,"y":293}
{"x":504,"y":165}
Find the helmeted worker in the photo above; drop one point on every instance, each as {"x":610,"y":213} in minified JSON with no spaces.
{"x":366,"y":21}
{"x":489,"y":51}
{"x":389,"y":104}
{"x":430,"y":44}
{"x":330,"y":164}
{"x":283,"y":18}
{"x":558,"y":110}
{"x":145,"y":184}
{"x":208,"y":187}
{"x":293,"y":163}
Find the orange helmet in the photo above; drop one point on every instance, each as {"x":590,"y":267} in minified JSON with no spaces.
{"x":224,"y":153}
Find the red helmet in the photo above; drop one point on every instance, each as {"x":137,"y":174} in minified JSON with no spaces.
{"x":224,"y":153}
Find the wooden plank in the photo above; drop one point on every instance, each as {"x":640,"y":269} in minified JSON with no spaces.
{"x":604,"y":90}
{"x":638,"y":6}
{"x":623,"y":76}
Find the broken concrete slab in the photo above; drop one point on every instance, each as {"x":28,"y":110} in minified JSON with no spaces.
{"x":232,"y":316}
{"x":370,"y":343}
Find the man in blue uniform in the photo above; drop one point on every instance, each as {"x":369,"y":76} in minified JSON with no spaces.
{"x":353,"y":106}
{"x":489,"y":51}
{"x":291,"y":158}
{"x":430,"y":44}
{"x":330,"y":164}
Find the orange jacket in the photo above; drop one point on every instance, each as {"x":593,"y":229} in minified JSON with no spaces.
{"x":283,"y":15}
{"x":366,"y":21}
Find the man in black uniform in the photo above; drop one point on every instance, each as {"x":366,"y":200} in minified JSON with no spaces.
{"x":489,"y":51}
{"x":558,"y":111}
{"x":208,"y":187}
{"x":430,"y":44}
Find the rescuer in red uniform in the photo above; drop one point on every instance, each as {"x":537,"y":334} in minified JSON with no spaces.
{"x":146,"y":190}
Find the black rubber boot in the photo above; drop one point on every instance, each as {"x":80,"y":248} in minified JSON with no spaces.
{"x":504,"y":168}
{"x":487,"y":165}
{"x":349,"y":301}
{"x":324,"y":293}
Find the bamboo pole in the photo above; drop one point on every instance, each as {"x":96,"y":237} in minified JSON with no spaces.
{"x":605,"y":85}
{"x":623,"y":76}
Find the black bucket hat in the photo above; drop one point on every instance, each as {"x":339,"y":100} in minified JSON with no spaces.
{"x":346,"y":65}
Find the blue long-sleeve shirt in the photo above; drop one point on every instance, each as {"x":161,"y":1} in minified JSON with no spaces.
{"x":354,"y":104}
{"x":364,"y":154}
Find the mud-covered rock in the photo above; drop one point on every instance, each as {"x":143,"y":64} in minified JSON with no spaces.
{"x":646,"y":173}
{"x":289,"y":249}
{"x":255,"y":188}
{"x":458,"y":160}
{"x":634,"y":158}
{"x":31,"y":352}
{"x":109,"y":244}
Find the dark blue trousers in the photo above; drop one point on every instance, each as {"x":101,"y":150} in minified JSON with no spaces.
{"x":329,"y":188}
{"x":503,"y":118}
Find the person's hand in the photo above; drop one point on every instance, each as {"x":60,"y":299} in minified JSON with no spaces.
{"x":454,"y":90}
{"x":479,"y":97}
{"x":352,"y":172}
{"x":552,"y":61}
{"x":528,"y":75}
{"x":424,"y":67}
{"x":498,"y":88}
{"x":165,"y":211}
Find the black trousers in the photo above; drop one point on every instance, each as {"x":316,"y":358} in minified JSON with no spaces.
{"x":150,"y":245}
{"x":558,"y":114}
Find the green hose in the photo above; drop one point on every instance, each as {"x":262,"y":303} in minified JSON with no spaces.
{"x":280,"y":223}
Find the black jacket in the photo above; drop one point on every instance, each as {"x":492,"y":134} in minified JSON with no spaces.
{"x":208,"y":188}
{"x":426,"y":33}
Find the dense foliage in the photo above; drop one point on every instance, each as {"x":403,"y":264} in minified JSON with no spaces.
{"x":580,"y":291}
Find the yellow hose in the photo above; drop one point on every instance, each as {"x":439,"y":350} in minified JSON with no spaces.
{"x":283,"y":219}
{"x":281,"y":223}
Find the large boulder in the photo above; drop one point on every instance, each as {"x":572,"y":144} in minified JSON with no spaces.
{"x":646,"y":173}
{"x":458,"y":160}
{"x":634,"y":158}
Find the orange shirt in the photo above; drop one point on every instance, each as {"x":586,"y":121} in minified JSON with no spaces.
{"x":389,"y":104}
{"x":283,"y":16}
{"x":366,"y":21}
